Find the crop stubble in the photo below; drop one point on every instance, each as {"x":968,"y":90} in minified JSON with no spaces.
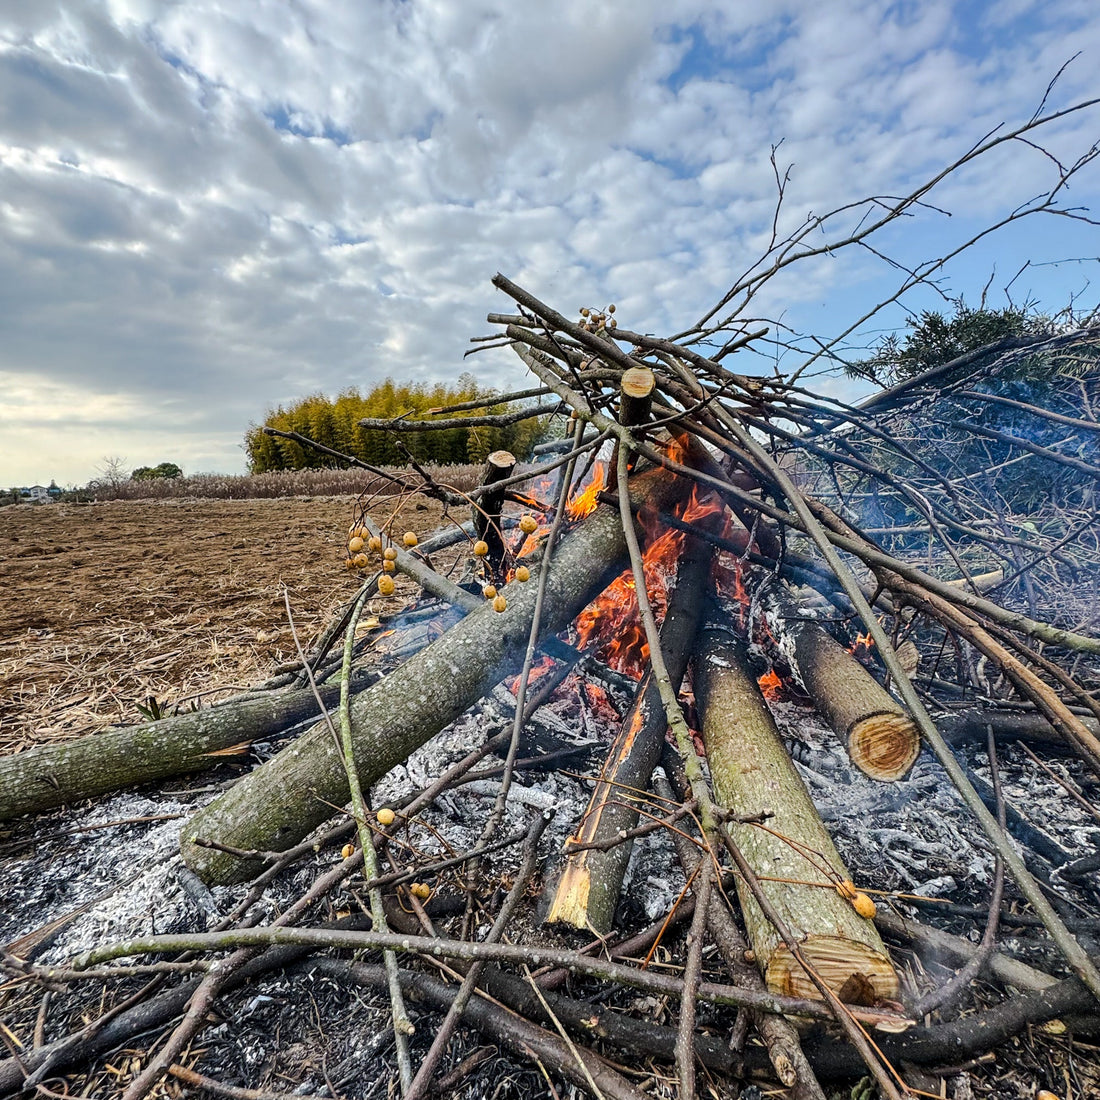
{"x":104,"y":605}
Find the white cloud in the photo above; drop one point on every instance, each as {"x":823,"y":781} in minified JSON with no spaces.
{"x":210,"y":207}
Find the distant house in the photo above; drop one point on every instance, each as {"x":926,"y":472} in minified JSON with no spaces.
{"x":38,"y":494}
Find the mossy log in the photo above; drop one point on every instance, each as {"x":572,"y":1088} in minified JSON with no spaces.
{"x":276,"y":805}
{"x":880,"y":737}
{"x":46,"y":776}
{"x":751,"y":772}
{"x":587,"y":892}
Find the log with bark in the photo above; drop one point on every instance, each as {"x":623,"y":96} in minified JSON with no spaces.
{"x":880,"y":737}
{"x":45,"y":776}
{"x":280,"y":802}
{"x":486,"y":512}
{"x":794,"y":857}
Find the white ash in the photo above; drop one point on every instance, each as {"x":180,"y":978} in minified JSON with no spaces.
{"x":916,"y":835}
{"x":132,"y":869}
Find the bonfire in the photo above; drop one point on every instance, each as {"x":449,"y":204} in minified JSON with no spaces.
{"x":710,"y":560}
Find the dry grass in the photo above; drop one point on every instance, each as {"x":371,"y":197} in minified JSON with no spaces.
{"x":283,"y":483}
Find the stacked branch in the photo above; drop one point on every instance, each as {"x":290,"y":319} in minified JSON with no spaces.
{"x":874,"y":506}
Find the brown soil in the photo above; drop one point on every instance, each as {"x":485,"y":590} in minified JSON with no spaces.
{"x":104,"y":605}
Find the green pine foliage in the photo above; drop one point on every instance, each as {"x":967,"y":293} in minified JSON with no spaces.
{"x":335,"y":424}
{"x":932,"y":339}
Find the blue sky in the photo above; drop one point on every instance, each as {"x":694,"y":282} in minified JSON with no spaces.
{"x":208,"y":208}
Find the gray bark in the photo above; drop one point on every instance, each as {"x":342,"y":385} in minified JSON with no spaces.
{"x":46,"y":776}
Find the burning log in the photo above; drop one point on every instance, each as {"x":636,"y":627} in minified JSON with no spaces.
{"x":498,"y":467}
{"x":798,"y":866}
{"x":881,"y":738}
{"x":279,"y":803}
{"x":587,"y":891}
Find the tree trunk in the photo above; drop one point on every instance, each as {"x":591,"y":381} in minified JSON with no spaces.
{"x":46,"y":776}
{"x":751,"y":772}
{"x":881,"y":739}
{"x":276,"y":805}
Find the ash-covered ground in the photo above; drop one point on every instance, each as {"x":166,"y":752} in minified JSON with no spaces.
{"x":300,"y":1032}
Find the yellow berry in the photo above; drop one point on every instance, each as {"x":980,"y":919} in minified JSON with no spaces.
{"x":390,"y":554}
{"x":846,"y":889}
{"x":612,"y":323}
{"x":348,"y":563}
{"x":420,"y":890}
{"x":481,"y":548}
{"x":500,"y":603}
{"x":389,"y":566}
{"x":385,"y":816}
{"x":375,"y":543}
{"x":347,"y":850}
{"x":523,"y":573}
{"x":584,"y":311}
{"x":386,"y":585}
{"x":410,"y":538}
{"x":360,"y":561}
{"x":864,"y":906}
{"x":355,"y":544}
{"x":611,"y":308}
{"x":528,"y":525}
{"x":489,"y":591}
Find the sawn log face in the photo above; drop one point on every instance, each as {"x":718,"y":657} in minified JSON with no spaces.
{"x":880,"y":737}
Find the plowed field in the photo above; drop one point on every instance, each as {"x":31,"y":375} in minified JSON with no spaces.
{"x":104,"y":605}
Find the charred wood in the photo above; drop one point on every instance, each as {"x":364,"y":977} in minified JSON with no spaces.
{"x":587,"y":892}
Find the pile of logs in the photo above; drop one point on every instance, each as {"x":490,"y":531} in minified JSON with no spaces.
{"x":768,"y":578}
{"x":728,"y":791}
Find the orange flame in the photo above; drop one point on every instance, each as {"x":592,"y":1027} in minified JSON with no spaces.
{"x":771,"y":686}
{"x":538,"y":670}
{"x":863,"y":641}
{"x":584,"y":504}
{"x":611,"y":623}
{"x":728,"y":579}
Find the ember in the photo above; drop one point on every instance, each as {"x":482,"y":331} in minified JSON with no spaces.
{"x":771,"y":686}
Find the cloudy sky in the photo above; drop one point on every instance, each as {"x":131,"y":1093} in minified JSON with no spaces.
{"x":208,"y":207}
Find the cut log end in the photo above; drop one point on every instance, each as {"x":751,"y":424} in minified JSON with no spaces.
{"x":636,"y":395}
{"x":884,"y":746}
{"x":854,"y":971}
{"x":570,"y":901}
{"x":638,"y":382}
{"x":502,"y":460}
